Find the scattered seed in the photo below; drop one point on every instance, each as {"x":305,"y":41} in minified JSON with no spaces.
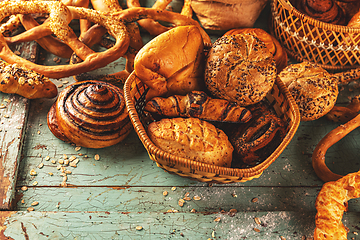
{"x":2,"y":106}
{"x":213,"y":234}
{"x":186,"y":194}
{"x":38,"y":132}
{"x":47,"y":158}
{"x":58,"y":167}
{"x":22,"y":201}
{"x":66,"y":162}
{"x":187,"y":198}
{"x":217,"y":219}
{"x":18,"y":127}
{"x":40,"y":124}
{"x":196,"y":198}
{"x":51,"y":174}
{"x":193,"y":210}
{"x":257,"y":220}
{"x":24,"y":188}
{"x":72,"y":158}
{"x":254,"y":200}
{"x":6,"y":116}
{"x":68,"y":172}
{"x":234,"y":195}
{"x":139,"y":228}
{"x":165,"y":193}
{"x":256,"y":230}
{"x":65,"y":82}
{"x":41,"y":165}
{"x":77,"y":149}
{"x":97,"y":157}
{"x":72,"y":164}
{"x":33,"y":172}
{"x":65,"y":156}
{"x":282,"y":238}
{"x":35,"y":183}
{"x":355,"y":233}
{"x":7,"y":100}
{"x":181,"y":202}
{"x":173,"y":188}
{"x":30,"y":209}
{"x":61,"y":161}
{"x":80,"y":154}
{"x":35,"y":203}
{"x":53,"y":161}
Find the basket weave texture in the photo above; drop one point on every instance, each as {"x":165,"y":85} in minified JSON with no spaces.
{"x":333,"y":47}
{"x":280,"y":99}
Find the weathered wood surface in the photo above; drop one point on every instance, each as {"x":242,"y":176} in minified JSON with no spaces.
{"x":13,"y":115}
{"x":109,"y":198}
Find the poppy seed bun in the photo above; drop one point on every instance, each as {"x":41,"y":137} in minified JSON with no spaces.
{"x":312,"y":87}
{"x":240,"y":69}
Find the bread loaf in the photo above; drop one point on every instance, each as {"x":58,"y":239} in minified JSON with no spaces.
{"x":193,"y":139}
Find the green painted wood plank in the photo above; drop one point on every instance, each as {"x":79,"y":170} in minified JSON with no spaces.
{"x":122,"y":225}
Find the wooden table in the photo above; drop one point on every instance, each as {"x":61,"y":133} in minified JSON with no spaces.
{"x":123,"y":191}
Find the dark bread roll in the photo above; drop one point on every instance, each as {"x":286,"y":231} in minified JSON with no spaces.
{"x":240,"y":68}
{"x":312,"y":87}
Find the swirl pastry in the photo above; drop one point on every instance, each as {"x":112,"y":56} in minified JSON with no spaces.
{"x":91,"y":114}
{"x":240,"y":68}
{"x":327,"y":11}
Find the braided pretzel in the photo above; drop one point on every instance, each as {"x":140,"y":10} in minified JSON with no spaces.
{"x":60,"y":16}
{"x":318,"y":156}
{"x":331,"y":203}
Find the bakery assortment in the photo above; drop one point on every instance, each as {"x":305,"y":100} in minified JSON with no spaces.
{"x":91,"y":114}
{"x":212,"y":108}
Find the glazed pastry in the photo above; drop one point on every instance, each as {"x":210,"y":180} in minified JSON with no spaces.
{"x":271,"y":43}
{"x":25,"y":82}
{"x":198,"y":104}
{"x":327,"y":11}
{"x":192,"y":138}
{"x":331,"y":203}
{"x":312,"y":87}
{"x":257,"y":139}
{"x":240,"y":68}
{"x":171,"y":63}
{"x":91,"y":114}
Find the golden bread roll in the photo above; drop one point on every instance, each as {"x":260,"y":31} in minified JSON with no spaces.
{"x":193,"y":139}
{"x":271,"y":43}
{"x":25,"y":82}
{"x":312,"y":87}
{"x":240,"y":68}
{"x":172,"y":62}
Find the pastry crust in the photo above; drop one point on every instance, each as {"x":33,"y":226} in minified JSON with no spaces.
{"x":192,"y":138}
{"x":240,"y":68}
{"x":312,"y":87}
{"x":331,"y":203}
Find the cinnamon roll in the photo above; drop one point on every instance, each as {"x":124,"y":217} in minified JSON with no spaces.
{"x":91,"y":114}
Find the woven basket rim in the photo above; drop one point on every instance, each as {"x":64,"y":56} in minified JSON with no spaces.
{"x":328,"y":26}
{"x":198,"y":166}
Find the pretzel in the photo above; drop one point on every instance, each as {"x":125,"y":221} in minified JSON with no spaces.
{"x":331,"y":203}
{"x":60,"y":16}
{"x":95,"y":36}
{"x":318,"y":156}
{"x":344,"y":114}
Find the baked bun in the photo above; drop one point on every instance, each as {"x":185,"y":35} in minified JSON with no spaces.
{"x":90,"y":114}
{"x":312,"y":87}
{"x":193,"y":139}
{"x":271,"y":43}
{"x":240,"y":68}
{"x":172,"y":62}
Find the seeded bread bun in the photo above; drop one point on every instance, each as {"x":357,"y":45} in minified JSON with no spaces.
{"x":312,"y":87}
{"x":240,"y":68}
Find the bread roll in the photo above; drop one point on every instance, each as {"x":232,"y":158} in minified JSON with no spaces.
{"x":312,"y":87}
{"x":240,"y":68}
{"x":193,"y":139}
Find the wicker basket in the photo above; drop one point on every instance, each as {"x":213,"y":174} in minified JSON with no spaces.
{"x":334,"y":47}
{"x":279,"y":98}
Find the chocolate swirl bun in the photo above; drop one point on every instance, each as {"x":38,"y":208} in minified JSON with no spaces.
{"x":91,"y":114}
{"x":240,"y":69}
